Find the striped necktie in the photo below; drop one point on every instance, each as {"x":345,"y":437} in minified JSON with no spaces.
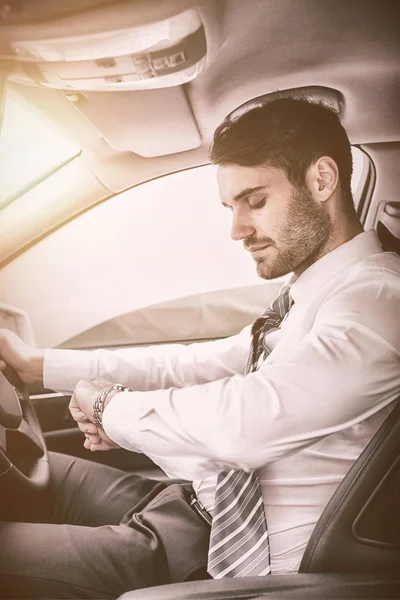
{"x":239,"y":545}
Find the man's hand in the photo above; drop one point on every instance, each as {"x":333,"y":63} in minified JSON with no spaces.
{"x":81,"y":409}
{"x":26,"y":360}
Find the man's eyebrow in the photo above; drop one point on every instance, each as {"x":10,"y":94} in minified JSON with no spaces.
{"x":247,"y":192}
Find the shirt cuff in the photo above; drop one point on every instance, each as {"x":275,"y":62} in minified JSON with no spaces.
{"x":62,"y":369}
{"x":122,"y":419}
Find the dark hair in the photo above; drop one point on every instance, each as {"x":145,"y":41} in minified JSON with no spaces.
{"x":286,"y":133}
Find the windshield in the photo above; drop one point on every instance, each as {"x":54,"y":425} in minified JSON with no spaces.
{"x":30,"y":148}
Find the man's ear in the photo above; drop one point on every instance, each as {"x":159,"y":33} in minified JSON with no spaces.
{"x":323,"y":178}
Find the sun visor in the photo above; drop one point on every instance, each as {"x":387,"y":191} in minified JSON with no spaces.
{"x":150,"y":122}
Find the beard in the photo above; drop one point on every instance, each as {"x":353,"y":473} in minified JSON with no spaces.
{"x":301,"y":239}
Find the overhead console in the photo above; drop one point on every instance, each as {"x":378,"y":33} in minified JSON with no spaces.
{"x":109,"y":46}
{"x":80,"y":53}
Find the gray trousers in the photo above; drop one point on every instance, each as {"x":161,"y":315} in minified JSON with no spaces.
{"x":98,"y":532}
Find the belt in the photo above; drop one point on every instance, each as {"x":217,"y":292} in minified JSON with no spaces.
{"x":200,"y":509}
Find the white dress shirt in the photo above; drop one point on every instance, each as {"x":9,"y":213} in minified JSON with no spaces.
{"x":302,"y":419}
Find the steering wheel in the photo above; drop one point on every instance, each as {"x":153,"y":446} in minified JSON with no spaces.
{"x":24,"y":462}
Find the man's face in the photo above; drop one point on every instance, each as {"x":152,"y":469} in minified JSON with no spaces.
{"x":284,"y":228}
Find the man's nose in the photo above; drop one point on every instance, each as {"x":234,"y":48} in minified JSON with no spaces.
{"x":241,"y":226}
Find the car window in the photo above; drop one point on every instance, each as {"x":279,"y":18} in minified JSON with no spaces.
{"x":210,"y":314}
{"x":30,"y":149}
{"x":361,"y":166}
{"x":152,"y":264}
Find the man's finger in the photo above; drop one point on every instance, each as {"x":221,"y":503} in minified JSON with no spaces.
{"x":88,"y":427}
{"x":78,"y":415}
{"x":102,"y":446}
{"x":93,"y":438}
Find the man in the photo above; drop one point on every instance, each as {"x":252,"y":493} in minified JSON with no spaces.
{"x":265,"y":436}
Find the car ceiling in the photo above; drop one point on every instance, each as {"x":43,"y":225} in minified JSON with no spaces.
{"x":257,"y":47}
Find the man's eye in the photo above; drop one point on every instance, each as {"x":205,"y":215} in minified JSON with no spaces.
{"x":258,"y":204}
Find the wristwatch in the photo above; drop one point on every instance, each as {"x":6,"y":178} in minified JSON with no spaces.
{"x":102,"y":396}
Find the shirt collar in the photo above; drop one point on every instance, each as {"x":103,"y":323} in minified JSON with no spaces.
{"x":358,"y":248}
